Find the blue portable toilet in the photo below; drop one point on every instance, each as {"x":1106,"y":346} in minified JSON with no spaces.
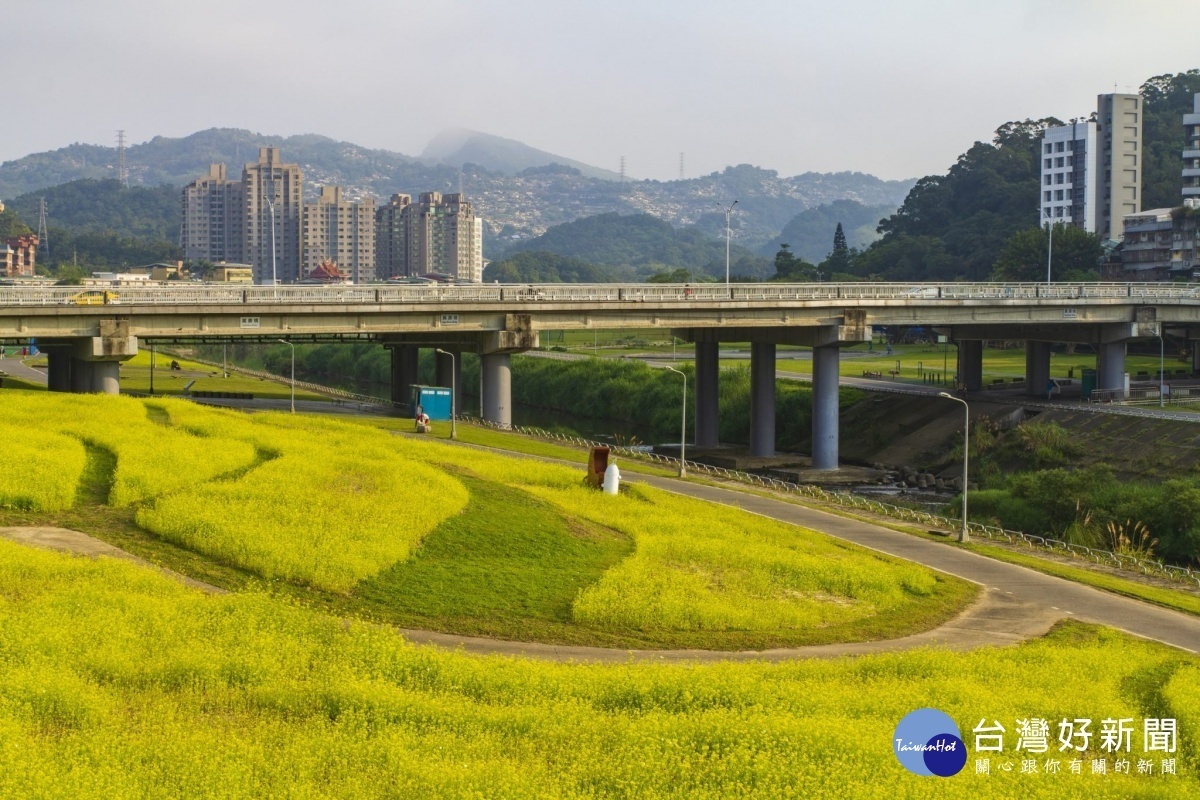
{"x":432,"y":400}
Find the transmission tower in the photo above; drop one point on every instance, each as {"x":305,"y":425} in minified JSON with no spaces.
{"x":43,"y":234}
{"x":681,"y":166}
{"x":122,"y":167}
{"x":622,"y":169}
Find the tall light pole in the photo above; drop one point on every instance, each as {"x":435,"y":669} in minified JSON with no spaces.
{"x":453,"y":391}
{"x":271,"y":210}
{"x":682,"y":427}
{"x":1049,"y":251}
{"x":963,"y":536}
{"x":728,"y":232}
{"x":1162,"y":378}
{"x":289,"y":344}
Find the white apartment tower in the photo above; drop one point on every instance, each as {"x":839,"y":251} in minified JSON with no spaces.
{"x":213,"y":215}
{"x":439,"y":234}
{"x":1119,"y":119}
{"x":342,"y":232}
{"x":274,"y":201}
{"x":1191,"y":155}
{"x":1068,"y":195}
{"x":391,"y":238}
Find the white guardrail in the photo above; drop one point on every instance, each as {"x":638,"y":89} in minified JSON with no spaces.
{"x":849,"y":500}
{"x":209,"y":294}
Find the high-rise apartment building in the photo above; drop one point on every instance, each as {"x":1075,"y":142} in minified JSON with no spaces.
{"x":274,"y":204}
{"x":1068,"y":173}
{"x":342,"y":232}
{"x":1191,"y":155}
{"x":1119,"y":119}
{"x":437,"y":234}
{"x":213,"y":217}
{"x":391,"y":238}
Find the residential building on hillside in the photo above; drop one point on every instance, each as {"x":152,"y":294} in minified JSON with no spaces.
{"x":214,"y":210}
{"x":342,"y":232}
{"x":274,"y":202}
{"x":1191,"y":155}
{"x":1068,"y":175}
{"x":391,"y":238}
{"x":1160,"y":244}
{"x":18,"y":256}
{"x":1119,"y":127}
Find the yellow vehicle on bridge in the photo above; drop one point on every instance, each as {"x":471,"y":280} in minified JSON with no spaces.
{"x":93,"y":297}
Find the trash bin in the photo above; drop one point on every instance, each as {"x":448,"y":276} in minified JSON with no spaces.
{"x":597,"y":465}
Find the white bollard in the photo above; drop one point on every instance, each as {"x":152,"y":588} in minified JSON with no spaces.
{"x":612,"y":479}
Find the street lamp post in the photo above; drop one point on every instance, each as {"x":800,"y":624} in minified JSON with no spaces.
{"x":151,"y":369}
{"x":453,"y":391}
{"x":271,"y":210}
{"x":682,"y":427}
{"x":289,"y":344}
{"x":1049,"y":251}
{"x":963,"y":536}
{"x":1161,"y":366}
{"x":728,"y":232}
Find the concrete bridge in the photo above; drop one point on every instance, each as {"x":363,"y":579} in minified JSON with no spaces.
{"x":86,"y":334}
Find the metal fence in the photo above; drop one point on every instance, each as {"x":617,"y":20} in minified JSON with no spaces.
{"x":867,"y":293}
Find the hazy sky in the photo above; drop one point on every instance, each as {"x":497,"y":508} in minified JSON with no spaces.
{"x":897,"y":88}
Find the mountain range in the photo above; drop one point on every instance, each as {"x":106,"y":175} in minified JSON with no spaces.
{"x":518,"y":190}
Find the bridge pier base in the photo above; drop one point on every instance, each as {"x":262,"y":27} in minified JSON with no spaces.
{"x":970,"y":364}
{"x":825,"y":407}
{"x":405,"y":361}
{"x":81,"y":376}
{"x":106,"y":377}
{"x":762,"y":399}
{"x":448,"y":371}
{"x":708,"y":366}
{"x":1037,"y":368}
{"x":497,"y":389}
{"x":1110,"y":367}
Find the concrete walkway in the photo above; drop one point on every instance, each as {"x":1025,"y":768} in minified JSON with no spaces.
{"x":17,"y":368}
{"x":68,"y":541}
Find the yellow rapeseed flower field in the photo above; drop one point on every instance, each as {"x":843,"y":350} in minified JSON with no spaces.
{"x":116,"y":682}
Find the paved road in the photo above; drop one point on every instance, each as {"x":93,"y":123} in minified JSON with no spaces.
{"x":17,"y":368}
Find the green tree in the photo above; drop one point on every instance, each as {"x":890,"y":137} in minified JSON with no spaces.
{"x":839,"y":259}
{"x":1165,"y":98}
{"x":1076,"y":256}
{"x":792,"y":269}
{"x":679,"y":275}
{"x":12,"y":225}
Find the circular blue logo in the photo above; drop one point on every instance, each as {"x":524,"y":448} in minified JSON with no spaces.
{"x":928,"y":742}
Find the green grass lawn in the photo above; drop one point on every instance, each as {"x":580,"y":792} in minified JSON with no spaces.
{"x":135,"y":377}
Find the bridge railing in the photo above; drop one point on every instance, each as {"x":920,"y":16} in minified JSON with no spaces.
{"x":210,"y":294}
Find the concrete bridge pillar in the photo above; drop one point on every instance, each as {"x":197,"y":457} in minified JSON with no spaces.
{"x":708,"y":368}
{"x":825,"y":407}
{"x":1110,"y":367}
{"x":81,"y":376}
{"x":106,"y":377}
{"x":1037,"y":368}
{"x":405,"y":359}
{"x":497,"y":388}
{"x":1195,"y":345}
{"x":762,"y":399}
{"x":58,"y":369}
{"x":449,"y":373}
{"x":970,"y":364}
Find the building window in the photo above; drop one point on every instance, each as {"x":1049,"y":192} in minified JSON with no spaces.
{"x":1058,"y":211}
{"x":1059,"y":178}
{"x":1047,"y":197}
{"x":1060,"y":146}
{"x":1058,"y":195}
{"x":1070,"y":161}
{"x":1049,"y":163}
{"x":1048,"y":180}
{"x":1058,"y":162}
{"x":1049,"y":148}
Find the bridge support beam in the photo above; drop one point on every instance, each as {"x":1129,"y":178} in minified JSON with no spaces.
{"x":970,"y":364}
{"x":762,"y":399}
{"x":1110,"y":366}
{"x":497,"y":389}
{"x":405,"y":360}
{"x":825,"y":407}
{"x":708,"y":367}
{"x":1037,"y":368}
{"x":448,"y":371}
